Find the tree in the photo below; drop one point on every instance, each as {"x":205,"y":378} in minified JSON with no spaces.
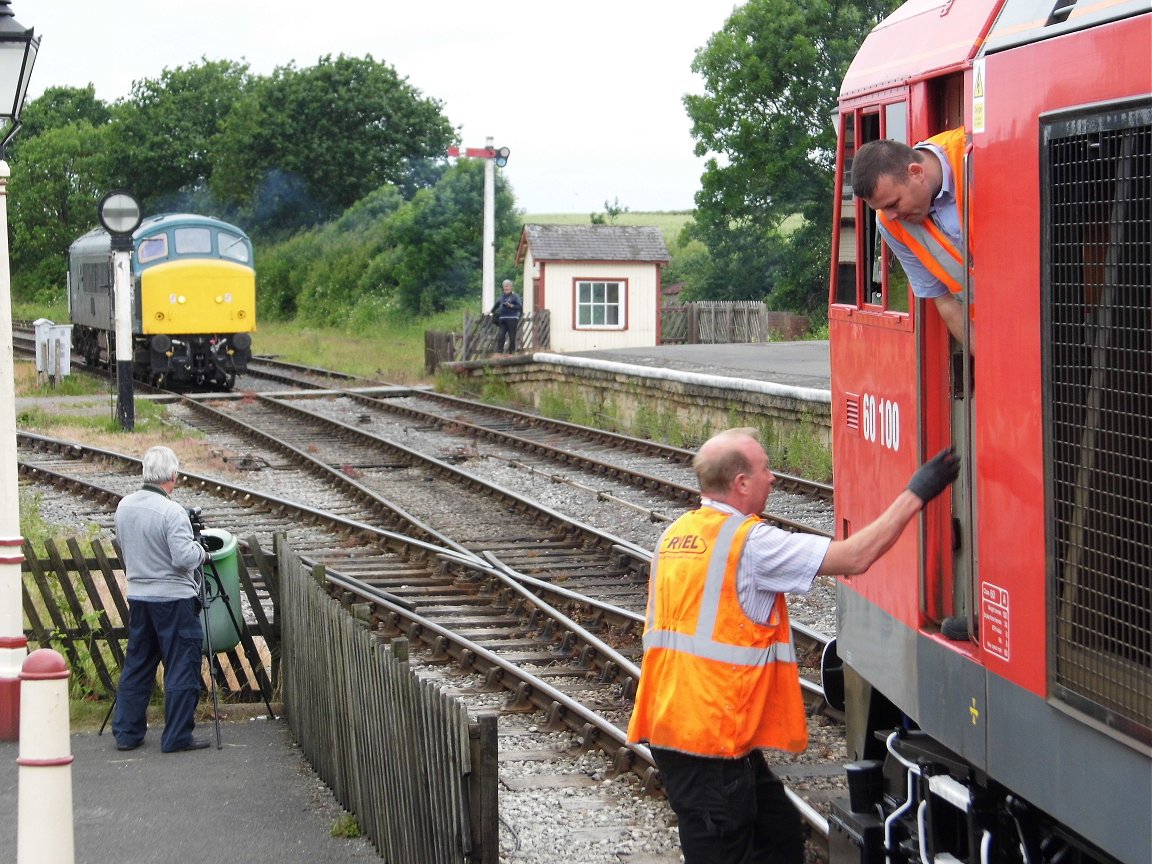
{"x":304,"y":144}
{"x":56,"y":107}
{"x":771,"y":78}
{"x":164,"y":132}
{"x":61,"y":175}
{"x":431,"y":249}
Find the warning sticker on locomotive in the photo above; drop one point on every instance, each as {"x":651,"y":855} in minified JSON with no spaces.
{"x":994,"y":627}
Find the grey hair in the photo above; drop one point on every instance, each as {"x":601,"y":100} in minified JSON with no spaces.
{"x":160,"y":465}
{"x":507,"y":282}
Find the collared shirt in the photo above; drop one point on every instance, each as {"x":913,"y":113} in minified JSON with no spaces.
{"x":774,"y":560}
{"x":944,"y":213}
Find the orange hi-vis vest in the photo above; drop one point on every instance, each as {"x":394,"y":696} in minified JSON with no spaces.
{"x":714,"y":682}
{"x":931,"y":246}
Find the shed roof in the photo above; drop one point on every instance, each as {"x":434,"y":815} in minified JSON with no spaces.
{"x":593,"y":243}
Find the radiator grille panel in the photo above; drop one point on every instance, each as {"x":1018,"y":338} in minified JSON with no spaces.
{"x":1097,"y":213}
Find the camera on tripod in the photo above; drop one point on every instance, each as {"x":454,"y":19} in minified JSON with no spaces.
{"x":211,"y":541}
{"x":196,"y":517}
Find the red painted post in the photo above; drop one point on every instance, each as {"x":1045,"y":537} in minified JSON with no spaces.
{"x":13,"y":643}
{"x":44,"y":831}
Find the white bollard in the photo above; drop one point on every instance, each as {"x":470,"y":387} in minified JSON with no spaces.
{"x":44,"y":830}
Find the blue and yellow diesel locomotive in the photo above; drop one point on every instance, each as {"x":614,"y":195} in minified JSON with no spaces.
{"x":193,"y":300}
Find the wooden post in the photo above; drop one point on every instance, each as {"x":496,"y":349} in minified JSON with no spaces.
{"x":483,"y":789}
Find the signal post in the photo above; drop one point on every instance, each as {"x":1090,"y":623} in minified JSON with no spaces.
{"x":494,"y":158}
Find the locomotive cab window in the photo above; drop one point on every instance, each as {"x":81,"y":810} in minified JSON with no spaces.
{"x":867,"y":274}
{"x":233,"y":247}
{"x":193,"y":241}
{"x":152,"y":248}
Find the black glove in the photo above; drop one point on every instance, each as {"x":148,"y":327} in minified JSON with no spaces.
{"x":933,"y":476}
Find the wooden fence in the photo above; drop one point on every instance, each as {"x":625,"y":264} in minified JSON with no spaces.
{"x":406,"y":758}
{"x":74,"y":603}
{"x":688,"y":324}
{"x":419,"y":773}
{"x":478,"y":339}
{"x":716,"y":322}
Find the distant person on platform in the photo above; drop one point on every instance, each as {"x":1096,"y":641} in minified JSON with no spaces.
{"x":918,"y":195}
{"x":719,"y":680}
{"x":161,"y":558}
{"x":507,"y":311}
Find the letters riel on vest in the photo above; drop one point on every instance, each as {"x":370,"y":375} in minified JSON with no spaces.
{"x":692,"y":544}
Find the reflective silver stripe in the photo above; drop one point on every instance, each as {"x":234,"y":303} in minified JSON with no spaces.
{"x":714,"y":582}
{"x":707,"y":649}
{"x":937,"y":250}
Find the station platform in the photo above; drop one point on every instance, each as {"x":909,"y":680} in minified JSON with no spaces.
{"x":795,"y":364}
{"x":254,"y":800}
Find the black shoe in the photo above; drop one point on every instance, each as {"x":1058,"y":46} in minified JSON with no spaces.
{"x":120,"y":746}
{"x":193,"y":744}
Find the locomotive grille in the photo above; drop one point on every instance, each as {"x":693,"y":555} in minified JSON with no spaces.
{"x":1097,"y":302}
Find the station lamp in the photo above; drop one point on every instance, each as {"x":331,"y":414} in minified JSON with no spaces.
{"x":18,"y":48}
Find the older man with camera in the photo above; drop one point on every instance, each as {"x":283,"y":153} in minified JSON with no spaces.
{"x":161,"y":557}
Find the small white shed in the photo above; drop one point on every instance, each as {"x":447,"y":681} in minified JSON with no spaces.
{"x":599,"y":283}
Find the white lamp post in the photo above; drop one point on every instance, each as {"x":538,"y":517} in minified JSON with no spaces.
{"x":18,"y":47}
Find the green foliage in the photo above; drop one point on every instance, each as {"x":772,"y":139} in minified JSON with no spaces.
{"x":269,"y":153}
{"x":346,"y":826}
{"x":386,"y":256}
{"x":57,"y":107}
{"x":166,"y":133}
{"x":59,"y":178}
{"x":303,"y":145}
{"x":494,"y":389}
{"x":771,"y":78}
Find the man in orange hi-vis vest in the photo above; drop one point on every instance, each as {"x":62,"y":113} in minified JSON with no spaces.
{"x":719,"y":679}
{"x":918,"y":195}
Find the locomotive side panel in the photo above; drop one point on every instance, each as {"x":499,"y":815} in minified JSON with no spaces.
{"x":1036,"y":724}
{"x":1065,"y":622}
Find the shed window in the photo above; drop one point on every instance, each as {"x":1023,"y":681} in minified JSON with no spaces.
{"x":600,"y":304}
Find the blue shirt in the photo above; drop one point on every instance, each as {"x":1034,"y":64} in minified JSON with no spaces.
{"x":944,"y":214}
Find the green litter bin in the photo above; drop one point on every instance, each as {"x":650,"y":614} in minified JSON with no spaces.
{"x":222,"y":581}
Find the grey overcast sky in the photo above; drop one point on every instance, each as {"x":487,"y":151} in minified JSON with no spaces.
{"x":587,"y":95}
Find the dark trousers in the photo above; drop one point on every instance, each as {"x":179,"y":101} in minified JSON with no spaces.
{"x":166,"y":631}
{"x":731,"y":811}
{"x":506,"y":329}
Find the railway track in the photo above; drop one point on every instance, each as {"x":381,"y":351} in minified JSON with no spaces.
{"x":557,"y":659}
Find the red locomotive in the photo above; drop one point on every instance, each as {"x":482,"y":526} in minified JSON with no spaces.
{"x":997,"y":664}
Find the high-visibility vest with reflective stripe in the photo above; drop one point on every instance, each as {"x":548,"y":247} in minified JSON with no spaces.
{"x":931,"y":246}
{"x":713,"y":682}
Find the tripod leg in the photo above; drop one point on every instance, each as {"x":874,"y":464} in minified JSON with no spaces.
{"x":107,"y":716}
{"x":212,"y":665}
{"x":249,"y":651}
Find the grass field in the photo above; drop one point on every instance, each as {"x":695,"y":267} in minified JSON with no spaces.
{"x":669,"y":223}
